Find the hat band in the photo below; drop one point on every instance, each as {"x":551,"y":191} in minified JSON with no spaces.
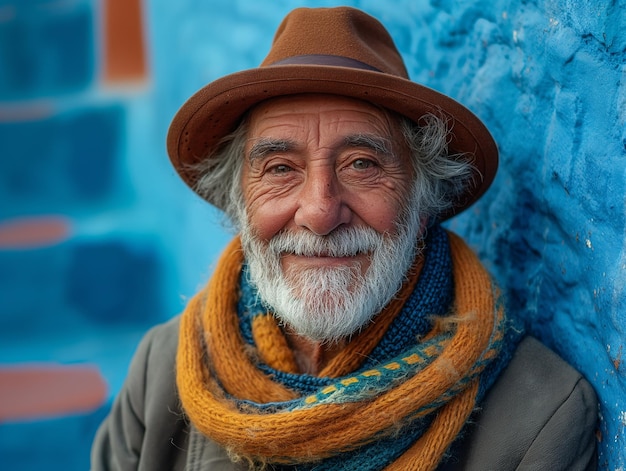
{"x":324,"y":59}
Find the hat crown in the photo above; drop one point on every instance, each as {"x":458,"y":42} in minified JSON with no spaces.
{"x":335,"y":36}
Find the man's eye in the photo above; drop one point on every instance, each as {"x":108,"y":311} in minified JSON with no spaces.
{"x":280,"y":169}
{"x":362,"y":164}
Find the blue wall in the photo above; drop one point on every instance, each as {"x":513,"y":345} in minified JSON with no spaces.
{"x":547,"y":77}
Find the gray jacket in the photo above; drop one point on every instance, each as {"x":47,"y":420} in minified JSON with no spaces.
{"x":539,"y":415}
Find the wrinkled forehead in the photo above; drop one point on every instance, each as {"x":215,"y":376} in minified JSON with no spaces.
{"x":329,"y":113}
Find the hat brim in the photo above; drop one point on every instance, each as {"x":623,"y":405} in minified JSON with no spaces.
{"x":215,"y":110}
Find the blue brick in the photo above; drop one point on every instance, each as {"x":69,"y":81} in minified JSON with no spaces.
{"x":31,"y":284}
{"x":102,"y":281}
{"x":94,"y":142}
{"x":67,"y":160}
{"x":45,"y":51}
{"x":115,"y":281}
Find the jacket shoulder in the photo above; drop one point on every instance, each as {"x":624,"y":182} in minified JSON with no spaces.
{"x":146,"y":413}
{"x":540,"y":414}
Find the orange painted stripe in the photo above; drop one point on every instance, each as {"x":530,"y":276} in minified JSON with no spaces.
{"x":32,"y":232}
{"x":33,"y":391}
{"x":123,"y":42}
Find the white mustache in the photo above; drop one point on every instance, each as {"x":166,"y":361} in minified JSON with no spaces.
{"x":343,"y":242}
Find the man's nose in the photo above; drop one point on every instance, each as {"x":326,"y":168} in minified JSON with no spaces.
{"x":321,"y":205}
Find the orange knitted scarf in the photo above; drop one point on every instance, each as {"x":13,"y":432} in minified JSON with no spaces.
{"x":219,"y":381}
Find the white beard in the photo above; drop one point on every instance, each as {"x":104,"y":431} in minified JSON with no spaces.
{"x":329,"y":304}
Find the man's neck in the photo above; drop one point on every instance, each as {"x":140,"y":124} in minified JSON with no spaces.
{"x":312,"y":356}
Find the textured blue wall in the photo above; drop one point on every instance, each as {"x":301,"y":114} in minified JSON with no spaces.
{"x":547,"y":77}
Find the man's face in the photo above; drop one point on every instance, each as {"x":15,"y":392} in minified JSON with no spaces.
{"x":325,"y":182}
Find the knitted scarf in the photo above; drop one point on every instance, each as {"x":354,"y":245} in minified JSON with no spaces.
{"x":395,"y":398}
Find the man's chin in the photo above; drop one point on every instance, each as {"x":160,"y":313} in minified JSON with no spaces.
{"x":326,"y":328}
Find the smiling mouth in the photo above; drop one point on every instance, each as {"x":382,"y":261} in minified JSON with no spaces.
{"x":328,"y":254}
{"x":326,"y":259}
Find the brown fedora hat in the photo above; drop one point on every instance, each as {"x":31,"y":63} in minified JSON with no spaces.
{"x":341,"y":51}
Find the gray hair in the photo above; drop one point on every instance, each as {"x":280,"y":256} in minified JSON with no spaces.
{"x":219,"y":175}
{"x":440,"y":178}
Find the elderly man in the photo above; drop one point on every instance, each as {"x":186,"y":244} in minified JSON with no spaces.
{"x":343,"y":328}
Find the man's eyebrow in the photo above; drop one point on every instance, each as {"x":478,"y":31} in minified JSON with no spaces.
{"x":265,"y":146}
{"x":380,"y":145}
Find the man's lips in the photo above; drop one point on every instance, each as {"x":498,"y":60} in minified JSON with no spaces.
{"x":323,"y":259}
